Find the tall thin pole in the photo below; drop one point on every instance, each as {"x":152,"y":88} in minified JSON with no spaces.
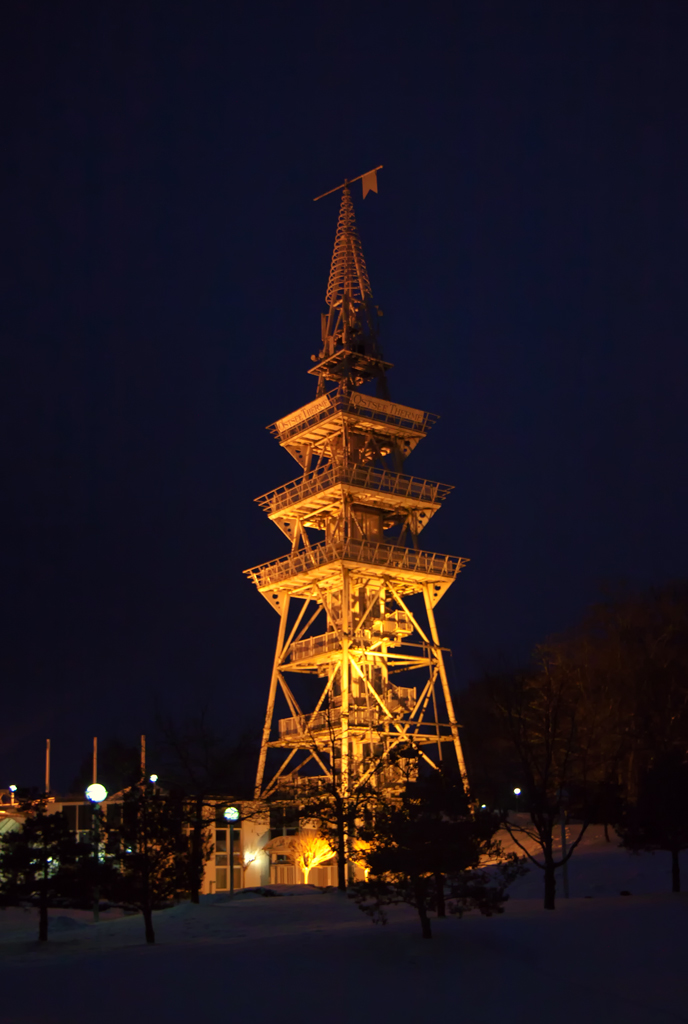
{"x":143,"y":756}
{"x":231,"y":859}
{"x":95,"y":758}
{"x":47,"y":767}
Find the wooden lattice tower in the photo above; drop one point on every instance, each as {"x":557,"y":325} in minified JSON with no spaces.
{"x":345,"y":593}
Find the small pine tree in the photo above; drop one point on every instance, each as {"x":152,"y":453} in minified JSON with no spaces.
{"x":425,"y":848}
{"x":150,"y":846}
{"x":39,"y":862}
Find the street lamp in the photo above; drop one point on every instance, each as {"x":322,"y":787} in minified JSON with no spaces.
{"x":517,"y":793}
{"x":95,"y":794}
{"x":232,"y":815}
{"x":13,"y":790}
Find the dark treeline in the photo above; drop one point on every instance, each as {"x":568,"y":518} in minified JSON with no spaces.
{"x":594,"y":729}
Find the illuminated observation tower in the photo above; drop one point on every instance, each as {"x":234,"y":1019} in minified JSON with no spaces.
{"x":357,"y":642}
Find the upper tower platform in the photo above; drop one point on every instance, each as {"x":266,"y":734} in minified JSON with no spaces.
{"x":309,"y":431}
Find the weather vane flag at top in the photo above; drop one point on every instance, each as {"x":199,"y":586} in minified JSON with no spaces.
{"x":368,"y":181}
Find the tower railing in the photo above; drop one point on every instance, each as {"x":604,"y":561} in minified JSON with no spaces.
{"x":362,"y":406}
{"x":385,"y":556}
{"x":366,"y":477}
{"x":392,"y":628}
{"x":326,"y":719}
{"x":361,"y":717}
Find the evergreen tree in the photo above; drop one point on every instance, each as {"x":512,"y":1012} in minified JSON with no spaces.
{"x":40,"y":862}
{"x":424,"y":848}
{"x":150,"y":847}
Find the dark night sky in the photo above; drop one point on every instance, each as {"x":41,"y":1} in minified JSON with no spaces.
{"x":163,"y":271}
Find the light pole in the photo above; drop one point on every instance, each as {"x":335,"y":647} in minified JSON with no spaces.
{"x":13,"y":790}
{"x":232,"y":815}
{"x":95,"y":794}
{"x":517,"y":793}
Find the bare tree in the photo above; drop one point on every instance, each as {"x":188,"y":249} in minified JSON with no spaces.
{"x":309,"y":849}
{"x":202,"y":766}
{"x":540,"y":713}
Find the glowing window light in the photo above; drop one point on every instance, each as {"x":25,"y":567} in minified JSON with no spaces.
{"x":96,"y":793}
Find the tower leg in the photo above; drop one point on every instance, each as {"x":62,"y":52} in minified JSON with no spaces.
{"x":345,"y":679}
{"x":454,"y":725}
{"x":284,"y":612}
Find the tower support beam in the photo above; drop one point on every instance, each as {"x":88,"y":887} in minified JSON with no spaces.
{"x":445,"y":686}
{"x":284,"y":612}
{"x":345,"y":679}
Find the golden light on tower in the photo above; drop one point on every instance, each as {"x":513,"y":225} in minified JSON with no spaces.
{"x":345,"y":592}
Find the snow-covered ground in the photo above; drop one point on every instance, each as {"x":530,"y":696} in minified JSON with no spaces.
{"x":307,"y":955}
{"x":599,"y":868}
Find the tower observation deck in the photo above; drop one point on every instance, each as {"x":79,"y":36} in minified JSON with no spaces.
{"x":356,"y":593}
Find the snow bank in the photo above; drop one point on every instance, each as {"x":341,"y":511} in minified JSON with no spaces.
{"x":260,"y":960}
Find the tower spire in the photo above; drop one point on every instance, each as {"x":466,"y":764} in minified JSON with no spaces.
{"x":348,"y":271}
{"x":350,"y":352}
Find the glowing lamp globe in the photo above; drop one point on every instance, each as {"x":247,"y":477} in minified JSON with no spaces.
{"x":154,"y":779}
{"x":517,"y":791}
{"x":232,"y":814}
{"x":96,"y":793}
